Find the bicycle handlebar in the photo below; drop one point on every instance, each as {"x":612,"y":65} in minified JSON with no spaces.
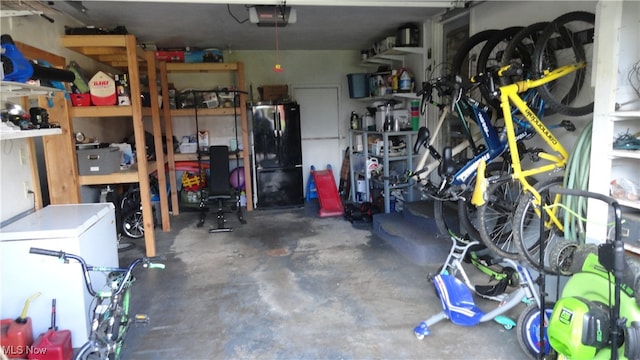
{"x":147,"y":262}
{"x":46,"y":252}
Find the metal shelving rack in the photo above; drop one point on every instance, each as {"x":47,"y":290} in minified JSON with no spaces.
{"x":359,"y":145}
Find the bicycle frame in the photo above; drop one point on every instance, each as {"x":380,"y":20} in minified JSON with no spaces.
{"x":509,"y":95}
{"x":496,"y":144}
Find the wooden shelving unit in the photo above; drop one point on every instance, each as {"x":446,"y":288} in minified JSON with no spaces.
{"x":168,"y":114}
{"x":121,"y":53}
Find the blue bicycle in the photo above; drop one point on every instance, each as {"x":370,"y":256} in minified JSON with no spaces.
{"x":457,"y":173}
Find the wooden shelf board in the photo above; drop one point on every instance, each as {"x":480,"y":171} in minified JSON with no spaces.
{"x":120,"y":177}
{"x":201,"y":67}
{"x":194,"y":156}
{"x":101,"y":111}
{"x":205,"y":112}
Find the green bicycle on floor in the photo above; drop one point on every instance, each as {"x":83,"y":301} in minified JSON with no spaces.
{"x":111,"y":319}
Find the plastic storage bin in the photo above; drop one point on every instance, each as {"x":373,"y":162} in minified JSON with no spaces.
{"x":358,"y":85}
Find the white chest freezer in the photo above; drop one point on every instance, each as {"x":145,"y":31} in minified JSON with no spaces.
{"x":87,"y":230}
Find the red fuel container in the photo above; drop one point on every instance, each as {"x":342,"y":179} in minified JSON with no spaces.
{"x":52,"y":345}
{"x":16,"y":337}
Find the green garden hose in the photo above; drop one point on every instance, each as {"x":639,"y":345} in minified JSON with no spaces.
{"x":577,"y":177}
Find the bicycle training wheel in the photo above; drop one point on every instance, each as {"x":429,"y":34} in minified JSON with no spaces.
{"x":528,"y":330}
{"x":567,"y":40}
{"x":526,"y":226}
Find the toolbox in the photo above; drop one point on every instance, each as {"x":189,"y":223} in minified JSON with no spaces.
{"x":100,"y":161}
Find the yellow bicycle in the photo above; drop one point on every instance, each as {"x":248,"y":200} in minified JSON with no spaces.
{"x":523,"y":221}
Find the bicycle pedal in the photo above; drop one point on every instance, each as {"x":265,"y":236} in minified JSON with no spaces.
{"x":141,"y":319}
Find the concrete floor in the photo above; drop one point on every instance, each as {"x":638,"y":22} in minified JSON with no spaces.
{"x":291,"y":285}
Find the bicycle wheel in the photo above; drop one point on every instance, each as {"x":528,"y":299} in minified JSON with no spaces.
{"x":519,"y":52}
{"x":465,"y":62}
{"x":567,"y":40}
{"x":465,"y":222}
{"x":490,"y":58}
{"x":91,"y":351}
{"x":526,"y":226}
{"x":528,"y":330}
{"x":496,"y":218}
{"x":132,"y":222}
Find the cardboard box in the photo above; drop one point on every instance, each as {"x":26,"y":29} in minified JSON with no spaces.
{"x":273,"y":93}
{"x":100,"y":161}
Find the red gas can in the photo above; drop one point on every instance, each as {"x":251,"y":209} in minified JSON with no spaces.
{"x":16,"y":336}
{"x":52,"y":345}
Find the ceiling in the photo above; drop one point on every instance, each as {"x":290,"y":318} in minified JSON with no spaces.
{"x":226,"y":26}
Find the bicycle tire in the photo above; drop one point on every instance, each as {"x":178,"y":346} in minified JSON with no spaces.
{"x":561,"y":256}
{"x":466,"y":223}
{"x":446,"y":222}
{"x":496,"y":218}
{"x":526,"y":227}
{"x":89,"y":351}
{"x":465,"y":60}
{"x":573,"y":31}
{"x":472,"y":46}
{"x":519,"y":51}
{"x":131,"y":222}
{"x":490,"y":57}
{"x":528,"y":330}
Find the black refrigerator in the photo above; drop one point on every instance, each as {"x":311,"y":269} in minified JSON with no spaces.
{"x":277,"y":149}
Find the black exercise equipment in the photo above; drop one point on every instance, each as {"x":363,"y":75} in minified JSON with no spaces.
{"x":219,"y":185}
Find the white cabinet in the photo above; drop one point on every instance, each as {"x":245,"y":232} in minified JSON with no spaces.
{"x":371,"y":149}
{"x":87,"y":230}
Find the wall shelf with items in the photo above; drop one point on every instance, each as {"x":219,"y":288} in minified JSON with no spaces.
{"x":616,"y":114}
{"x":390,"y":150}
{"x":61,"y":169}
{"x":121,"y":52}
{"x":396,"y":54}
{"x":238,"y":113}
{"x":11,"y":89}
{"x":625,"y":163}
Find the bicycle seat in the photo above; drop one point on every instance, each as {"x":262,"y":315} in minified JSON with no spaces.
{"x":447,"y":165}
{"x":422,"y":139}
{"x":457,"y":300}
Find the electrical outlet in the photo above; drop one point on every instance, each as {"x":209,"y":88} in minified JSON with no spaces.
{"x":27,"y":189}
{"x":23,"y":156}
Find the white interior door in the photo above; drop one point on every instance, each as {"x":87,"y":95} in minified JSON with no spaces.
{"x":320,"y":127}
